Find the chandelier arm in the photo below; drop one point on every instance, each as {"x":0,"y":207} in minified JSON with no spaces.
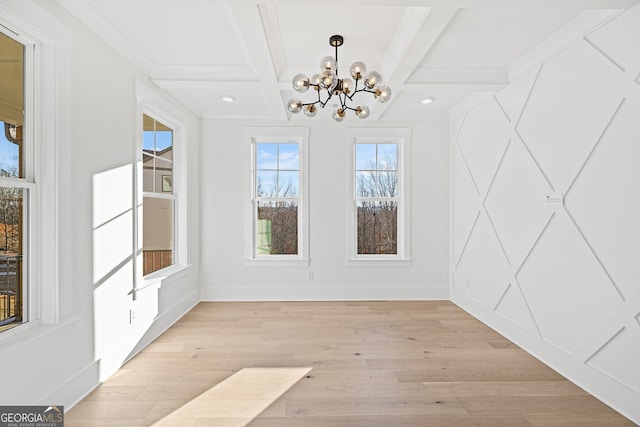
{"x":326,"y":100}
{"x":343,"y":101}
{"x":346,"y":107}
{"x":363,"y":90}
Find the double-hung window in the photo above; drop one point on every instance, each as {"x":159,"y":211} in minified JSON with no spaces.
{"x":162,"y":216}
{"x":278,"y":212}
{"x":34,"y":60}
{"x":379,"y":219}
{"x":16,"y":183}
{"x":158,"y":196}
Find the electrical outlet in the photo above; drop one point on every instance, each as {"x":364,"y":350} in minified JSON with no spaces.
{"x":132,"y":315}
{"x":309,"y":275}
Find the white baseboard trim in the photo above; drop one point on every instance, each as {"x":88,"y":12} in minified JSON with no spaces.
{"x":323,"y":293}
{"x":72,"y":391}
{"x":75,"y":389}
{"x":616,"y":395}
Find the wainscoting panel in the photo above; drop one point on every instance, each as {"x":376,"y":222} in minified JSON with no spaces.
{"x":546,"y":211}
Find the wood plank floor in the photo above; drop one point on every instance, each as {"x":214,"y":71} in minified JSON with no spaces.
{"x":424,"y":363}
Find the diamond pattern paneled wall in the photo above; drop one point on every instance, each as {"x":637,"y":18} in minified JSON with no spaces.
{"x":546,"y":211}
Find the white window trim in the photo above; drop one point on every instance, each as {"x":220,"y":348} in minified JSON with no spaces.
{"x":155,"y":105}
{"x":402,"y":137}
{"x":47,"y":64}
{"x":298,"y":135}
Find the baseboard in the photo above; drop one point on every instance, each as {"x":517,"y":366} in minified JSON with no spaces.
{"x":78,"y":387}
{"x":323,"y":293}
{"x":619,"y":397}
{"x":67,"y":394}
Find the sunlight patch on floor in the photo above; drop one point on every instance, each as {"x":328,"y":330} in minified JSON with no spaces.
{"x":237,"y":400}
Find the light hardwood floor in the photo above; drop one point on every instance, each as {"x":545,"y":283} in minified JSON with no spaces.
{"x":393,"y":364}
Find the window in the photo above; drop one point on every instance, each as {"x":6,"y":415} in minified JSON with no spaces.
{"x":378,"y":218}
{"x":277,"y":198}
{"x":278,"y":212}
{"x":376,"y":198}
{"x":34,"y":126}
{"x":158,"y":197}
{"x":16,"y":183}
{"x":161,"y":192}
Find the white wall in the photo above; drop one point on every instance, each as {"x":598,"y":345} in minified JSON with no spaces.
{"x":225,"y":166}
{"x":561,"y":280}
{"x":96,"y":112}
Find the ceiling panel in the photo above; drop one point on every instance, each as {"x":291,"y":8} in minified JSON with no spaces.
{"x":200,"y":50}
{"x":495,"y":38}
{"x":305,"y":32}
{"x":170,"y":33}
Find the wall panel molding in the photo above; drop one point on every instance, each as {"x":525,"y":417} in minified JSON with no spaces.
{"x":552,"y":251}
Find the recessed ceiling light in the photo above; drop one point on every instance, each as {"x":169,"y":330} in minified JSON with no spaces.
{"x":427,"y":101}
{"x":228,"y":98}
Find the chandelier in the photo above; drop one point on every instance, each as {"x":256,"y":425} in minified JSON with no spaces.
{"x":328,"y":84}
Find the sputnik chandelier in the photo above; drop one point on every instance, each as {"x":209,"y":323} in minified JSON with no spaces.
{"x":327,"y":83}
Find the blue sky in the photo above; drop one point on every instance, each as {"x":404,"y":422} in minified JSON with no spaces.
{"x":163,"y":140}
{"x":8,"y":152}
{"x":278,"y":156}
{"x":278,"y":164}
{"x":366,"y":156}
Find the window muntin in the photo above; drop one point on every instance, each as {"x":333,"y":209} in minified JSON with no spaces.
{"x":157,"y":156}
{"x":276,"y":198}
{"x":158,"y":209}
{"x":376,"y":198}
{"x":14,"y":188}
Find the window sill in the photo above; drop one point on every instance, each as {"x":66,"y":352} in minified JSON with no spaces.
{"x":378,"y":262}
{"x":276,"y":262}
{"x":165,"y":275}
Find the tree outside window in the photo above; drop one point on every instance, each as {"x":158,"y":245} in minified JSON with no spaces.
{"x":277,"y":183}
{"x":376,"y":198}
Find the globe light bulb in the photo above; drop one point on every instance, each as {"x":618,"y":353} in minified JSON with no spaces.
{"x":372,"y":79}
{"x":358,"y":70}
{"x":327,"y":79}
{"x":338,"y":115}
{"x":347,"y":86}
{"x":328,"y":63}
{"x":300,"y":83}
{"x":382,"y":94}
{"x":315,"y":81}
{"x":294,"y":105}
{"x":362,"y":111}
{"x":310,"y":110}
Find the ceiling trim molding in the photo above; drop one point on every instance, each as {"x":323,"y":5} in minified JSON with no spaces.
{"x":424,"y":30}
{"x":97,"y":24}
{"x":413,"y":20}
{"x":582,"y":25}
{"x":271,"y":24}
{"x":246,"y":18}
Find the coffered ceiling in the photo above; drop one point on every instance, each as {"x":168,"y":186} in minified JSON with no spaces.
{"x":450,"y":50}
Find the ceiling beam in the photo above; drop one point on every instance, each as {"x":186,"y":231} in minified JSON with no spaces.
{"x":423,"y":28}
{"x":89,"y":17}
{"x":248,"y":23}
